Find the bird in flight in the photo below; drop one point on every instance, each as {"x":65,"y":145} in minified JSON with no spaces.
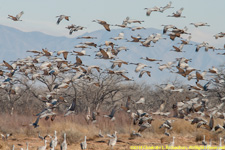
{"x":61,"y":17}
{"x":17,"y":18}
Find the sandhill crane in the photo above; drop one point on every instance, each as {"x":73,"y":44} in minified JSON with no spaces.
{"x":35,"y":124}
{"x":166,"y":133}
{"x":213,"y":70}
{"x":135,"y":39}
{"x":54,"y":141}
{"x":90,"y":44}
{"x":157,"y":37}
{"x":27,"y":145}
{"x":83,"y":145}
{"x":5,"y":137}
{"x":127,"y":107}
{"x":10,"y":67}
{"x":104,"y":23}
{"x":167,"y":124}
{"x":81,"y":53}
{"x":43,"y":147}
{"x":144,"y":71}
{"x":46,"y":52}
{"x":89,"y":69}
{"x":205,"y":87}
{"x":177,"y":14}
{"x":166,"y":27}
{"x":178,"y":49}
{"x":197,"y":120}
{"x":203,"y":141}
{"x":140,"y":66}
{"x":119,"y":37}
{"x":112,"y":141}
{"x":200,"y":76}
{"x":121,"y":25}
{"x":136,"y":28}
{"x":141,"y":100}
{"x":63,"y":146}
{"x":148,"y":41}
{"x":111,"y":115}
{"x":81,"y":46}
{"x":111,"y":135}
{"x":106,"y":54}
{"x":220,"y":145}
{"x":168,"y":65}
{"x":219,"y":35}
{"x":172,"y":143}
{"x":100,"y":134}
{"x":162,"y":9}
{"x":71,"y":109}
{"x":64,"y":52}
{"x":207,"y":126}
{"x":186,"y":42}
{"x":149,"y":10}
{"x":87,"y":37}
{"x":71,"y":26}
{"x":17,"y":18}
{"x":174,"y":35}
{"x":150,"y":59}
{"x":118,"y":63}
{"x":75,"y":28}
{"x":88,"y":116}
{"x":128,"y":20}
{"x":203,"y":44}
{"x":61,"y":17}
{"x":133,"y":134}
{"x":199,"y":24}
{"x":144,"y":126}
{"x":41,"y":137}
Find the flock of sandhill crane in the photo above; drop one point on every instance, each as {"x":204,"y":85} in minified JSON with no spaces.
{"x":35,"y":69}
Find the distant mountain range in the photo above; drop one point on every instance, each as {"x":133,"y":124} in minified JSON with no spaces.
{"x":14,"y":44}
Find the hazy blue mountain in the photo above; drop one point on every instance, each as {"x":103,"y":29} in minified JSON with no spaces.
{"x":14,"y":44}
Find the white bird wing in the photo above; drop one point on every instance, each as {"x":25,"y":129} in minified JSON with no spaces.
{"x":19,"y":15}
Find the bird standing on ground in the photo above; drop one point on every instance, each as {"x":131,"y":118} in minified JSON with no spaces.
{"x":43,"y":147}
{"x":63,"y":146}
{"x":112,"y":141}
{"x":83,"y":145}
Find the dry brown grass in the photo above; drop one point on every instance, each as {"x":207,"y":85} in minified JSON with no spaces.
{"x":76,"y":128}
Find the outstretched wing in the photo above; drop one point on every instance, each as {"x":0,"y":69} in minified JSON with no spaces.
{"x":113,"y":112}
{"x":8,"y":65}
{"x":19,"y":15}
{"x":59,"y":20}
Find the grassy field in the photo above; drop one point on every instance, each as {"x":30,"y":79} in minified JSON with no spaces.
{"x":76,"y":128}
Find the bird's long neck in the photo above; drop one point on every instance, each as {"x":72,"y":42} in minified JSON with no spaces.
{"x":115,"y":136}
{"x":85,"y":139}
{"x":64,"y":137}
{"x":55,"y":136}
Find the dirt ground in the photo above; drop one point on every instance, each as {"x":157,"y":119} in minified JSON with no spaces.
{"x":124,"y":142}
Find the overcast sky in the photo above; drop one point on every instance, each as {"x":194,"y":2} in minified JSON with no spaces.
{"x":41,"y":15}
